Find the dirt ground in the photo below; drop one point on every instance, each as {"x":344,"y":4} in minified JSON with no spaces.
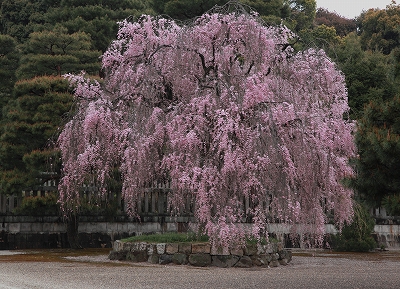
{"x":92,"y":269}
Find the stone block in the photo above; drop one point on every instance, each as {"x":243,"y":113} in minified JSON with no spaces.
{"x":26,"y":228}
{"x":171,"y":226}
{"x":260,"y":249}
{"x":285,"y":254}
{"x":137,"y":256}
{"x":250,"y":249}
{"x":224,"y":251}
{"x":172,"y":248}
{"x":271,"y":248}
{"x":139,"y":247}
{"x":60,"y":228}
{"x":244,"y":262}
{"x":85,"y":227}
{"x":289,"y":255}
{"x":14,"y":227}
{"x":111,"y":228}
{"x":179,"y":259}
{"x":201,"y":248}
{"x":122,"y":227}
{"x":237,"y":252}
{"x":49,"y":227}
{"x":274,"y":263}
{"x":37,"y":227}
{"x":274,"y":256}
{"x":118,"y":245}
{"x":224,"y":261}
{"x":117,"y":255}
{"x":154,"y":259}
{"x":151,"y":249}
{"x":283,"y":262}
{"x":185,"y":248}
{"x":200,"y":259}
{"x":149,"y":227}
{"x":126,"y":246}
{"x":257,"y":260}
{"x":160,"y":248}
{"x":267,"y":258}
{"x":165,"y":259}
{"x":100,"y":227}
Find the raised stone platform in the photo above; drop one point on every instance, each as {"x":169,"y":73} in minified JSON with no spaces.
{"x":201,"y":254}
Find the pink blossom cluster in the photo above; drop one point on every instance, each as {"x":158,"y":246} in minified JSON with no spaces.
{"x":227,"y":111}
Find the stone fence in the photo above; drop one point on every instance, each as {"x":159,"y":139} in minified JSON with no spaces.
{"x":27,"y":232}
{"x":24,"y":232}
{"x":201,"y":254}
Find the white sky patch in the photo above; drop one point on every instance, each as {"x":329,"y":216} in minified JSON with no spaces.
{"x":351,"y":8}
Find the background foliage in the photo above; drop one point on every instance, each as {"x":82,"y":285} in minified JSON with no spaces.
{"x":366,"y":49}
{"x":39,"y":206}
{"x":356,"y":237}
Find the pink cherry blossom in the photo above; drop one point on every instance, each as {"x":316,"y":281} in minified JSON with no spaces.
{"x":222,"y":111}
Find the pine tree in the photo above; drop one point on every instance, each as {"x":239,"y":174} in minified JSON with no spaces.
{"x":378,"y":143}
{"x":29,"y":122}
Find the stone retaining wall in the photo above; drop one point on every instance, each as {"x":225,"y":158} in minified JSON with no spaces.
{"x":29,"y":232}
{"x":201,"y":254}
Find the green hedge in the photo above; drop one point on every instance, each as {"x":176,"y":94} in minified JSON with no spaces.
{"x":356,"y":237}
{"x":39,"y":206}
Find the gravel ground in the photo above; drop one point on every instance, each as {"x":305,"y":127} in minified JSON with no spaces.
{"x":305,"y":271}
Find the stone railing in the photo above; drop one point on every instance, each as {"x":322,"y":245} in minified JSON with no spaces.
{"x":201,"y":254}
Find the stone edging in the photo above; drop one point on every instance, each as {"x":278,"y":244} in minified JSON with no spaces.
{"x":201,"y":254}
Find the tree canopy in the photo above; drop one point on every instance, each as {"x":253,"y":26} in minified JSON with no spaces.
{"x":303,"y":13}
{"x":379,"y":28}
{"x":29,"y":122}
{"x":342,"y":25}
{"x":369,"y":55}
{"x":225,"y":110}
{"x":57,"y":52}
{"x":370,"y":75}
{"x":9,"y":57}
{"x":370,"y":61}
{"x":378,"y":142}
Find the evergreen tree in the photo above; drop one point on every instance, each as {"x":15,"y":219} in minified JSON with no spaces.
{"x":379,"y":29}
{"x":356,"y":236}
{"x":96,"y":18}
{"x":369,"y":75}
{"x":378,"y":143}
{"x":9,"y":57}
{"x":184,"y":9}
{"x":29,"y":121}
{"x":371,"y":64}
{"x":19,"y":18}
{"x":302,"y":14}
{"x":56,"y":52}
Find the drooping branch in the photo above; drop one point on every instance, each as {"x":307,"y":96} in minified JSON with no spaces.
{"x":223,"y":113}
{"x":206,"y":68}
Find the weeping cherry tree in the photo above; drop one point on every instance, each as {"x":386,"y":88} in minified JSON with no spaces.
{"x":225,"y":110}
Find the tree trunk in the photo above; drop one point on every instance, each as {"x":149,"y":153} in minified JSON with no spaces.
{"x":72,"y":231}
